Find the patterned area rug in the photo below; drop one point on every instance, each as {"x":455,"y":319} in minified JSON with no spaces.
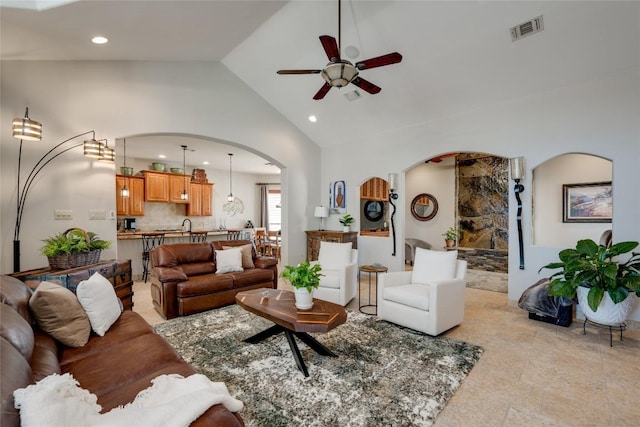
{"x":384,"y":375}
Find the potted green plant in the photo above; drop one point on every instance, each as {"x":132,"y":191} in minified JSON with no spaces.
{"x":602,"y":283}
{"x":450,"y":236}
{"x":73,"y":248}
{"x":346,"y":222}
{"x":305,"y":278}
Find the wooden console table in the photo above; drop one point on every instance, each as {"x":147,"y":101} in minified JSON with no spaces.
{"x":118,"y":272}
{"x":314,"y":237}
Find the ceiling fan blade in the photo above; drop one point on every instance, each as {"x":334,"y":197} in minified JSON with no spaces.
{"x":322,"y":92}
{"x":365,"y":85}
{"x":379,"y":61}
{"x":298,"y":71}
{"x":331,"y":48}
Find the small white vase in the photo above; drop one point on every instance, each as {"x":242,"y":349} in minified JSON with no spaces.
{"x":346,"y":228}
{"x":608,"y":313}
{"x":304,"y":299}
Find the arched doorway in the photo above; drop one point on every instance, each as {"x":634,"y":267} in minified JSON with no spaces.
{"x":472,"y":195}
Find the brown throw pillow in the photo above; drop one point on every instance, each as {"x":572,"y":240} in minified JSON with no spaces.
{"x":59,"y":313}
{"x":247,"y":260}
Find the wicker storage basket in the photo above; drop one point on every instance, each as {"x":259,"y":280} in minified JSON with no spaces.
{"x":74,"y":259}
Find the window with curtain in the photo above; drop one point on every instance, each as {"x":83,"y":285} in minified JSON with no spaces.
{"x":273,"y":203}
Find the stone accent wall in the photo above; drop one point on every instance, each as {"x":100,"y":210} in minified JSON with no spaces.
{"x":483,"y":201}
{"x":485,"y":259}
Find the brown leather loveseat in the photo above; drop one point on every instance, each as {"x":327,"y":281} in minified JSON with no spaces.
{"x":184,"y":279}
{"x":115,"y":367}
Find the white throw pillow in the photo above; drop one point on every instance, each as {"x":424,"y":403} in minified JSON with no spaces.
{"x":99,"y":300}
{"x":334,"y":255}
{"x":432,"y":266}
{"x":229,"y":260}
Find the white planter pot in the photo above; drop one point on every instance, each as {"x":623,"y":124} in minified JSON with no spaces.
{"x":608,"y":313}
{"x":346,"y":228}
{"x":304,"y":299}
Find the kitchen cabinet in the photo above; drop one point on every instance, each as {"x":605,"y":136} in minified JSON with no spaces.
{"x":134,"y":204}
{"x":177,"y":184}
{"x":200,"y":197}
{"x":314,"y":237}
{"x":156,"y":188}
{"x":375,"y":189}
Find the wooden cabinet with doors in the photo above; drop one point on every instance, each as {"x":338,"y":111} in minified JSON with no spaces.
{"x":206,"y":192}
{"x":178,"y":184}
{"x":156,"y":188}
{"x":314,"y":237}
{"x":200,"y":196}
{"x":134,"y":204}
{"x":375,"y":189}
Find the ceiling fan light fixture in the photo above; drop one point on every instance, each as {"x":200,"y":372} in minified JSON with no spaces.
{"x":339,"y":74}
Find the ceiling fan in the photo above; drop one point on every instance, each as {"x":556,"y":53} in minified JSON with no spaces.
{"x":340,"y":72}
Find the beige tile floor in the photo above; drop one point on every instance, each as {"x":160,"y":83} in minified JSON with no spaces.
{"x":531,"y":373}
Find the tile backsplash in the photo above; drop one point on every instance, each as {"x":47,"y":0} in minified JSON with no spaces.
{"x":169,"y":216}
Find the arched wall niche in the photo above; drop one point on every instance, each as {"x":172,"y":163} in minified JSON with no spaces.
{"x":548,"y":227}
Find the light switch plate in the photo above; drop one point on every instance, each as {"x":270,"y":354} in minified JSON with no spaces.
{"x":64,"y":214}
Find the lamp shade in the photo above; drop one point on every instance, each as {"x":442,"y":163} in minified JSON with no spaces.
{"x":108,"y":154}
{"x":517,"y":167}
{"x":93,"y":149}
{"x":321,"y":212}
{"x":393,"y":184}
{"x":27,"y":129}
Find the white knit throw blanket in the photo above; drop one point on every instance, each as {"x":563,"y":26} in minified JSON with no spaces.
{"x":172,"y":400}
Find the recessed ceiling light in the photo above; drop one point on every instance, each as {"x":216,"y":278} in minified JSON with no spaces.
{"x":313,"y":118}
{"x":162,"y":156}
{"x":205,"y":163}
{"x":99,"y":40}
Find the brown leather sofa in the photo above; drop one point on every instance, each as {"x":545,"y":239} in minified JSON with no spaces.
{"x":115,"y":367}
{"x":184,"y":279}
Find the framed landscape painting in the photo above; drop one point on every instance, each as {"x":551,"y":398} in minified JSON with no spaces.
{"x":588,"y":202}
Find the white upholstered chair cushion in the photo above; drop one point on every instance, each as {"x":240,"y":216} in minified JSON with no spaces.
{"x":412,"y":295}
{"x":430,"y":266}
{"x":334,"y":255}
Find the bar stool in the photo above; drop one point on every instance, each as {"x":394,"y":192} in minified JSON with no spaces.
{"x":234,"y":234}
{"x":198,"y":236}
{"x":149,"y":241}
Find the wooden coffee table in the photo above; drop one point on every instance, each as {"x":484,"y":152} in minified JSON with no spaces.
{"x":278,"y":306}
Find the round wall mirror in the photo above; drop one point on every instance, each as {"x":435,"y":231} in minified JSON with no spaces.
{"x":424,"y":207}
{"x":373,"y":210}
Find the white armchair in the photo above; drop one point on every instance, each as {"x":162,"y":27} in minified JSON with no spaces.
{"x":430,"y":298}
{"x":339,"y":263}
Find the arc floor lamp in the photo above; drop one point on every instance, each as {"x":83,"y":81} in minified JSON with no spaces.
{"x":26,"y":129}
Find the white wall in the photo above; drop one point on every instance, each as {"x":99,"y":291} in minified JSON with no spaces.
{"x":548,"y":178}
{"x":597,"y":117}
{"x":133,"y":98}
{"x":120,"y":98}
{"x":439,"y":180}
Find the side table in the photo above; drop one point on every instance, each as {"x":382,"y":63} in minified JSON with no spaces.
{"x":369,"y":269}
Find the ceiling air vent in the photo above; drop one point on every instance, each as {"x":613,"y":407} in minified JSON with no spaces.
{"x":525,"y":29}
{"x":352,"y":96}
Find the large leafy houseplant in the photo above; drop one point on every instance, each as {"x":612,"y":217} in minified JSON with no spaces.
{"x":72,"y":241}
{"x":593,"y":266}
{"x":303,"y":275}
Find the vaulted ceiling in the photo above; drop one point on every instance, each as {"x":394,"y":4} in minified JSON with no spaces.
{"x":457,"y":55}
